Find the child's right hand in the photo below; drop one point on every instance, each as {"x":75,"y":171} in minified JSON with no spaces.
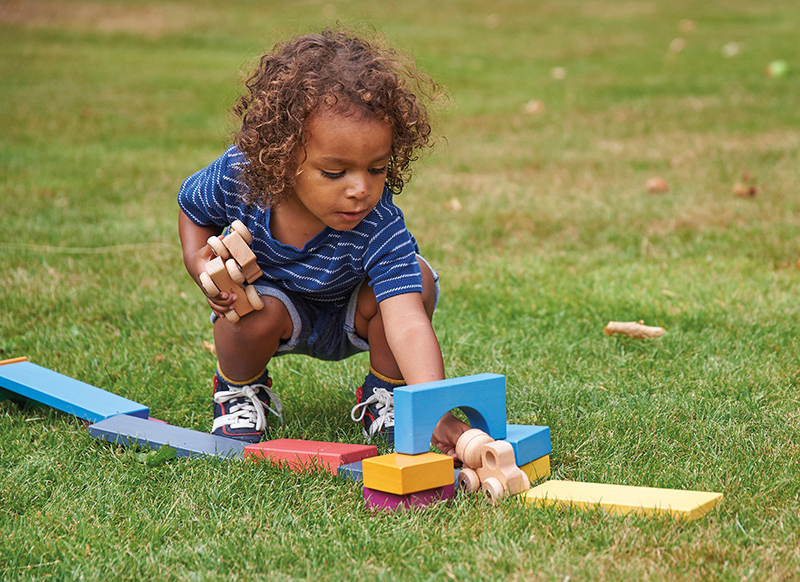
{"x":196,"y":255}
{"x":221,"y":303}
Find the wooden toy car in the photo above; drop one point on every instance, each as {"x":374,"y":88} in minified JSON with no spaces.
{"x":232,"y":267}
{"x":489,"y":465}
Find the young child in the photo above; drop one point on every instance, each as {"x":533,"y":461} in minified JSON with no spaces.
{"x":330,"y":127}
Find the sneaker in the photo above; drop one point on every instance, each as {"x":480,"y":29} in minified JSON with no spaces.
{"x":375,"y":410}
{"x":240,"y":411}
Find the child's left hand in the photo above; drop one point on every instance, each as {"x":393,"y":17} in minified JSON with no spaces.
{"x":446,"y":434}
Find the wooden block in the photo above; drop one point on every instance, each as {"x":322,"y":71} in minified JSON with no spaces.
{"x":243,"y":255}
{"x":131,"y":430}
{"x":218,"y":272}
{"x":537,"y":469}
{"x":419,"y":407}
{"x":403,"y":474}
{"x":382,"y":500}
{"x":623,"y":499}
{"x":529,"y":442}
{"x":304,"y":455}
{"x":66,"y":394}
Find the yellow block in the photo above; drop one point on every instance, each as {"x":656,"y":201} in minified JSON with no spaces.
{"x":622,"y":499}
{"x":403,"y":474}
{"x":537,"y":469}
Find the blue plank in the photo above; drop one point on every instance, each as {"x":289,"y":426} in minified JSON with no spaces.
{"x":417,"y":409}
{"x":528,"y":441}
{"x":352,"y":471}
{"x":131,"y":430}
{"x":66,"y":394}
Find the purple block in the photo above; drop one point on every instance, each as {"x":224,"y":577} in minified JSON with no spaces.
{"x":391,"y":501}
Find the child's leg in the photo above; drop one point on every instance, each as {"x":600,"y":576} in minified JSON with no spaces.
{"x":369,"y":324}
{"x":375,"y":400}
{"x":242,"y":394}
{"x":245,"y":348}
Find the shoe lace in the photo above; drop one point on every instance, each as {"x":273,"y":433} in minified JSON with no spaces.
{"x":384,"y":403}
{"x":251,"y":411}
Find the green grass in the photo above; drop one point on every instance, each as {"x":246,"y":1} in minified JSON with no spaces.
{"x":542,"y":230}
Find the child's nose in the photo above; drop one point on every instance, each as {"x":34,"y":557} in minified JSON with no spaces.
{"x":358,"y":187}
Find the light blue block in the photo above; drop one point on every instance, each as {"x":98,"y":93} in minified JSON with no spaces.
{"x":131,"y":430}
{"x":417,"y":409}
{"x":352,"y":471}
{"x":66,"y":394}
{"x":355,"y":472}
{"x":529,"y":442}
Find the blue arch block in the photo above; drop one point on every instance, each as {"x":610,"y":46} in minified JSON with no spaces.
{"x":419,"y":407}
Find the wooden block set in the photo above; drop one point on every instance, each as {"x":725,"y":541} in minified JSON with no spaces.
{"x":413,"y":476}
{"x":499,"y":458}
{"x":233,"y":266}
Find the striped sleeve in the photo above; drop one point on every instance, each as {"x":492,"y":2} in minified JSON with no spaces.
{"x":391,"y":258}
{"x":211,"y":196}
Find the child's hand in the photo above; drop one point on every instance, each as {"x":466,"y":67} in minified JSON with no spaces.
{"x":196,"y":263}
{"x":446,"y":434}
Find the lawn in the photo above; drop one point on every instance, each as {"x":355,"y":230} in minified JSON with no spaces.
{"x":534,"y":208}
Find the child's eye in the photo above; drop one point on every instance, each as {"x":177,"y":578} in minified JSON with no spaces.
{"x":332,"y":175}
{"x":378,"y":171}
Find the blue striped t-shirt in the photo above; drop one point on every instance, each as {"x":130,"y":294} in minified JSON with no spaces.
{"x":330,"y":265}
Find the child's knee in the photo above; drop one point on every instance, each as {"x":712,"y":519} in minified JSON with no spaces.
{"x":271,"y":321}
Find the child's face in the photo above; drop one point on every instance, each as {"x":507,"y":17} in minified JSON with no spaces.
{"x":343,"y":169}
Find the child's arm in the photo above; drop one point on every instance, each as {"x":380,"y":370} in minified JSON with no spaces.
{"x":196,"y":253}
{"x":416,"y":350}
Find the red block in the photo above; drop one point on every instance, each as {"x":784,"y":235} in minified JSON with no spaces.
{"x":303,"y":455}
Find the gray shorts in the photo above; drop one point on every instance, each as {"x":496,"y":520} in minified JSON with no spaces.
{"x":321,"y":330}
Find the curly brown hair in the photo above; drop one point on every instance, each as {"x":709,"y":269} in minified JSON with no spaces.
{"x":333,"y":69}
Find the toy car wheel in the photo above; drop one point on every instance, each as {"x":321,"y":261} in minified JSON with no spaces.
{"x":208,"y":285}
{"x":238,"y":226}
{"x":468,"y":481}
{"x":526,"y":482}
{"x":234,"y":271}
{"x":254,"y":298}
{"x":493,"y":489}
{"x":232,"y":316}
{"x":218,"y":247}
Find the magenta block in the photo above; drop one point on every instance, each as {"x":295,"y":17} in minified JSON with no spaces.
{"x":391,"y":501}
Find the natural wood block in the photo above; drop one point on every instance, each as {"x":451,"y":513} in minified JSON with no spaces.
{"x":403,"y":474}
{"x":243,"y":255}
{"x":218,"y":272}
{"x":623,"y":499}
{"x":304,"y":455}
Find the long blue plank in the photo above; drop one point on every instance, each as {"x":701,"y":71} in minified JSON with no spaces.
{"x":130,"y":430}
{"x":66,"y":394}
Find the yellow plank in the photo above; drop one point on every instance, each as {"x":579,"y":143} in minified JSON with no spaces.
{"x":622,"y":499}
{"x":403,"y":474}
{"x":537,"y":469}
